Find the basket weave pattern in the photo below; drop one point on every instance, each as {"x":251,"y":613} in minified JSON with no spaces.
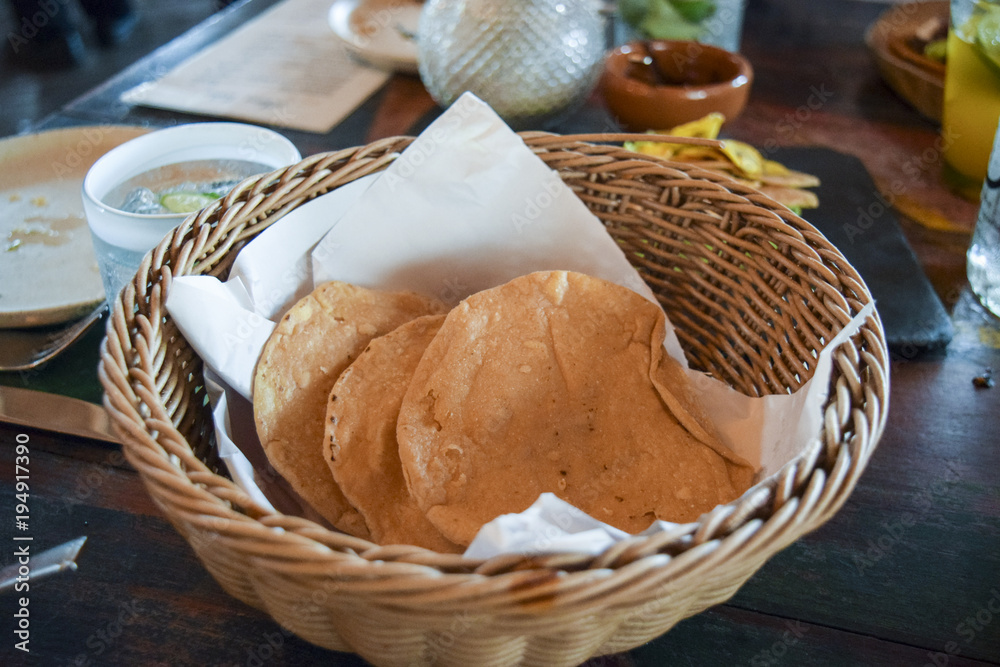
{"x":754,"y":293}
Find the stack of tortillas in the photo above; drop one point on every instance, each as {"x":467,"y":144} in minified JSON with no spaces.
{"x":401,"y":423}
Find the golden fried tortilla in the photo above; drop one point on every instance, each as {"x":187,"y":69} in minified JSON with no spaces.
{"x":312,"y":344}
{"x":360,"y":441}
{"x":546,"y":384}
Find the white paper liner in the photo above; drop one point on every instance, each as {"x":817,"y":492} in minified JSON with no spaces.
{"x":465,"y":207}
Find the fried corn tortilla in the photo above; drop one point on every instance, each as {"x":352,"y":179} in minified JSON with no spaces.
{"x":557,"y":382}
{"x":310,"y":347}
{"x":360,"y":441}
{"x":736,"y":159}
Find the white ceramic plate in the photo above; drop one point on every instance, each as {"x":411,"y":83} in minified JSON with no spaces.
{"x":48,"y":273}
{"x":379,"y":32}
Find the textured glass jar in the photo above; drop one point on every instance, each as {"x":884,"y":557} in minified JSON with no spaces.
{"x":533,"y":61}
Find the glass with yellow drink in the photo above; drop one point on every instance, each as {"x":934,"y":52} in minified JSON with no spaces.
{"x":971,"y":93}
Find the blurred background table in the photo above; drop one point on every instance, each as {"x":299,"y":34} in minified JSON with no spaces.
{"x":908,"y":573}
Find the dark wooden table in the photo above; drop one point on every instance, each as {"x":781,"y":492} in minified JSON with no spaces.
{"x":908,"y":572}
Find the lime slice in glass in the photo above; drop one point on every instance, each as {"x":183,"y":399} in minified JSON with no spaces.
{"x":988,"y":38}
{"x":186,"y":202}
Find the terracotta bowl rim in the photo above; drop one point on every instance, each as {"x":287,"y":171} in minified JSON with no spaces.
{"x":614,"y":66}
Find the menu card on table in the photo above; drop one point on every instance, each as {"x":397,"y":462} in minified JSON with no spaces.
{"x":284,"y":68}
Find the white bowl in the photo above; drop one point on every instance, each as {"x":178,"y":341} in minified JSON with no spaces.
{"x":121,"y":238}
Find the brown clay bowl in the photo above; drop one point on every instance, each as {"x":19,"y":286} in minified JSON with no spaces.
{"x":658,"y":84}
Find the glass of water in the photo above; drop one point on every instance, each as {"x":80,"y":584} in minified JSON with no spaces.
{"x":983,"y":257}
{"x":137,"y":193}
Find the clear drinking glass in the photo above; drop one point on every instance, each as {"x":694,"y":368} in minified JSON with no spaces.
{"x":971,"y":93}
{"x":983,"y":258}
{"x":121,"y":238}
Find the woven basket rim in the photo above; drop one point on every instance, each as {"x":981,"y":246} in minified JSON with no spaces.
{"x":140,"y":405}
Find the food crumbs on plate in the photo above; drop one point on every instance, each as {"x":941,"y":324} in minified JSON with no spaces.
{"x":39,"y":201}
{"x":34,"y":231}
{"x":14,"y":197}
{"x":984,"y":381}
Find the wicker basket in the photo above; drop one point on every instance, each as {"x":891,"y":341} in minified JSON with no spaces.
{"x":754,"y":292}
